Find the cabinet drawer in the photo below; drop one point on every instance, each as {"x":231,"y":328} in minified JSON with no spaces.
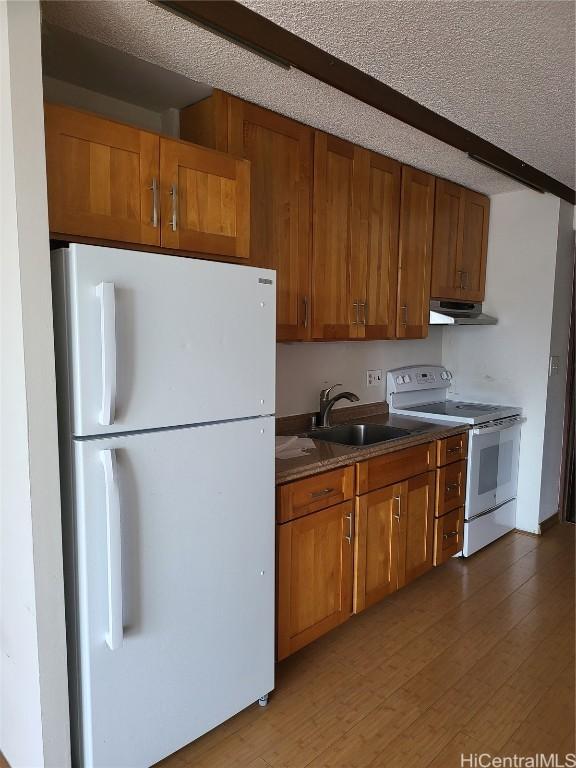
{"x":394,"y":467}
{"x":317,"y":492}
{"x":452,"y":449}
{"x":448,"y":535}
{"x":450,"y":487}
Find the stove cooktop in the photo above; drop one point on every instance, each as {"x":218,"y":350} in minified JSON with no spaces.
{"x":454,"y":410}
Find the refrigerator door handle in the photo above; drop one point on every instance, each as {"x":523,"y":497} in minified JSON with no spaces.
{"x":108,"y":342}
{"x":114,"y":634}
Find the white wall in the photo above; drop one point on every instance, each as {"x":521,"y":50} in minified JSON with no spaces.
{"x":34,"y":728}
{"x":560,"y":336}
{"x":59,"y":92}
{"x":303,"y":369}
{"x":508,"y":363}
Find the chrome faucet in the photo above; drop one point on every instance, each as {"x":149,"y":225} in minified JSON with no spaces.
{"x":327,"y":402}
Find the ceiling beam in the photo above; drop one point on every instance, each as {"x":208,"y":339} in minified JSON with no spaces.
{"x":248,"y":28}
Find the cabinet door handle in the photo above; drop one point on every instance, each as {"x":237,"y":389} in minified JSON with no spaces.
{"x":323,"y":492}
{"x":364,"y":306}
{"x":154,"y":190}
{"x":355,"y":305}
{"x":349,"y":536}
{"x":305,"y":303}
{"x":404,"y":309}
{"x":397,"y":514}
{"x":449,"y":535}
{"x":174,"y":196}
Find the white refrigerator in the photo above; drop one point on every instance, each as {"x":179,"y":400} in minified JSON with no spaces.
{"x":166,"y":400}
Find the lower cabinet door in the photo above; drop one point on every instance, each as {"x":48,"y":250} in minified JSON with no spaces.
{"x":314,"y":576}
{"x":448,"y":535}
{"x":376,"y":545}
{"x":416,"y":527}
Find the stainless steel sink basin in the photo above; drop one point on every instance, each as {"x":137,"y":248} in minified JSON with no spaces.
{"x":358,"y":434}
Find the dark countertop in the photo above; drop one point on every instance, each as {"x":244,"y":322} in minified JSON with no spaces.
{"x":325,"y":456}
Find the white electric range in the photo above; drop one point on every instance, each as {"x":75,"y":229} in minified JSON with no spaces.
{"x":421,"y":391}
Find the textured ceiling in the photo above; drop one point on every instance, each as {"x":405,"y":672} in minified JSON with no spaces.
{"x":504,"y":70}
{"x":155,"y":35}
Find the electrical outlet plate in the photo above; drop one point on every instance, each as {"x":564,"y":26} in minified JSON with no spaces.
{"x":374,"y":378}
{"x":554,"y":368}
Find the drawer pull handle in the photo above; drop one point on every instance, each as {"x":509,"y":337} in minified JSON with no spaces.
{"x":451,"y":487}
{"x":449,"y":535}
{"x":323,"y":492}
{"x":455,"y":450}
{"x":397,"y":514}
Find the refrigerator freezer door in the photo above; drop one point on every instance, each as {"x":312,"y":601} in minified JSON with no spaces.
{"x":175,"y":585}
{"x":155,"y":341}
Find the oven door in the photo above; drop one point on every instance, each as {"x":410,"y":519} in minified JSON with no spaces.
{"x":492,"y":465}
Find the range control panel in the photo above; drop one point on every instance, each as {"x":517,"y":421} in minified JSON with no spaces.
{"x":414,"y":378}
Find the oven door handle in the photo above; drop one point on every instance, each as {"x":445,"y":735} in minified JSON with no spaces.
{"x":516,"y":421}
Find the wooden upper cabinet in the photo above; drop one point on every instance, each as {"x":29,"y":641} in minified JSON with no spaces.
{"x":474,"y":245}
{"x":448,"y":235}
{"x":280,"y":153}
{"x":314,"y":576}
{"x":380,"y":221}
{"x":102,"y":177}
{"x":355,"y":259}
{"x":335,"y":313}
{"x":415,"y":253}
{"x":460,"y":243}
{"x":205,"y":200}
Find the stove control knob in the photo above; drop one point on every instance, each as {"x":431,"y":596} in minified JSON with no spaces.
{"x":407,"y":379}
{"x":444,"y":375}
{"x":399,"y":379}
{"x":449,"y":374}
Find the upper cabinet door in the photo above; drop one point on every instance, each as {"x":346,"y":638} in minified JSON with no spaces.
{"x":448,"y":235}
{"x":205,"y":200}
{"x":102,"y":178}
{"x":381,"y":189}
{"x":415,"y":253}
{"x":335,"y":313}
{"x":474,"y":245}
{"x":280,"y":154}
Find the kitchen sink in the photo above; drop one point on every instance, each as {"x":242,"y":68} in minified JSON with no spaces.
{"x":358,"y":434}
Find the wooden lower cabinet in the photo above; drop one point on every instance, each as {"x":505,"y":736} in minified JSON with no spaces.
{"x":376,"y":546}
{"x":314,"y":575}
{"x":394,"y":538}
{"x":448,"y":535}
{"x":417,"y":519}
{"x":451,"y":487}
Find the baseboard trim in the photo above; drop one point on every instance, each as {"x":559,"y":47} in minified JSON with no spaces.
{"x":527,"y":533}
{"x":551,"y":521}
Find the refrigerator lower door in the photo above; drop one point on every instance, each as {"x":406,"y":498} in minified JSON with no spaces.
{"x":147,"y":340}
{"x":174,"y":567}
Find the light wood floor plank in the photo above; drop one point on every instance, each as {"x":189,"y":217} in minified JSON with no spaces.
{"x":476,"y":656}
